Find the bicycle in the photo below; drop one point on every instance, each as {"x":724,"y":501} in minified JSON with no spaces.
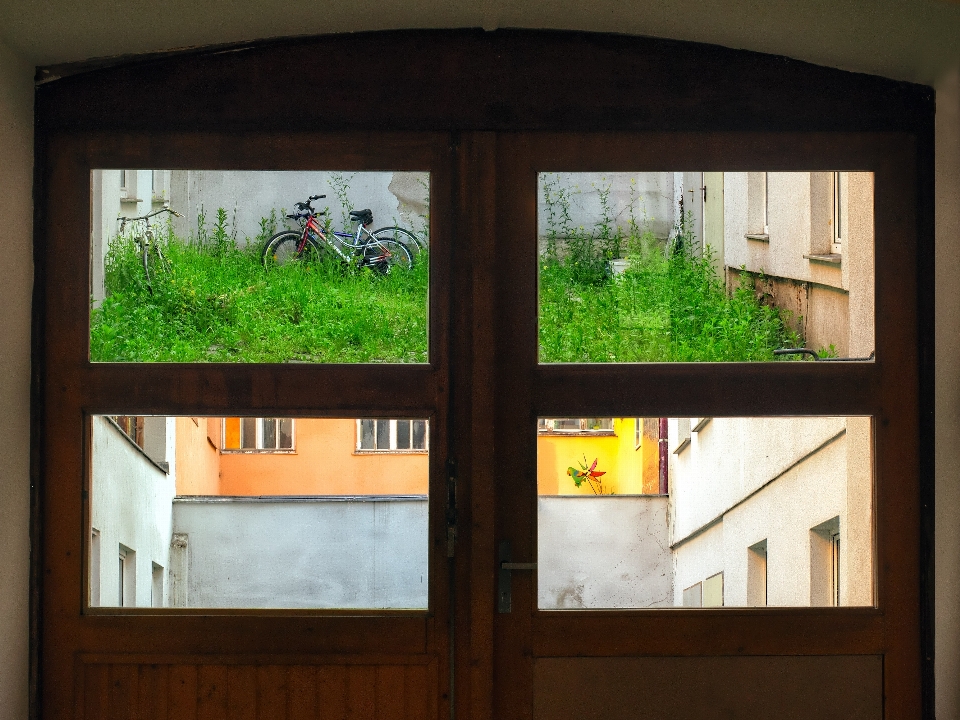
{"x":147,"y":245}
{"x":380,"y":250}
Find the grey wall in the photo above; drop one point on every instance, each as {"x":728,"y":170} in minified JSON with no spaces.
{"x":603,"y":552}
{"x":368,"y":552}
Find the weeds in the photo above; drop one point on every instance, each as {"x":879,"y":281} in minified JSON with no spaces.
{"x":669,"y":305}
{"x":219,"y":305}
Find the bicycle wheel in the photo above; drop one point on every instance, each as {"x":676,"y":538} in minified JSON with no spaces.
{"x":153,"y":261}
{"x":385,"y":255}
{"x":281,"y":249}
{"x":408,"y":239}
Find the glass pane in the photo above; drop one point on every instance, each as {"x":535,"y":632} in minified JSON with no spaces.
{"x":419,"y":434}
{"x":403,"y":434}
{"x":248,"y":433}
{"x":366,"y":434}
{"x":735,"y":512}
{"x":286,"y":433}
{"x":200,"y":525}
{"x":383,"y":434}
{"x":269,"y":433}
{"x":706,"y":266}
{"x":243,"y":266}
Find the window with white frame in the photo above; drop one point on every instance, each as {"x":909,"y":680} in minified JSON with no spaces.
{"x":392,"y":435}
{"x":575,"y":426}
{"x":838,"y":214}
{"x":257,"y":435}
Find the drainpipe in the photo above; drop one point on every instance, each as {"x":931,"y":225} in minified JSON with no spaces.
{"x":664,"y":485}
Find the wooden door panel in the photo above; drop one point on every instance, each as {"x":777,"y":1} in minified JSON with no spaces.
{"x":847,"y":686}
{"x":116,"y":688}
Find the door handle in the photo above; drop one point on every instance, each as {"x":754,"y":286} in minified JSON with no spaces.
{"x":505,"y":580}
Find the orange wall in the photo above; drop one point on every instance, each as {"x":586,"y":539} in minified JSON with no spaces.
{"x":197,"y":463}
{"x":324,"y":463}
{"x":629,"y":470}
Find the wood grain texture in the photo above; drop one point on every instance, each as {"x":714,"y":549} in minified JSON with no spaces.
{"x":785,"y":688}
{"x":209,"y":691}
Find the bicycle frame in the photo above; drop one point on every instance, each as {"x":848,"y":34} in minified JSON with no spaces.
{"x":313,"y":226}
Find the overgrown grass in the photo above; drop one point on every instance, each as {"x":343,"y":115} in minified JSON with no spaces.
{"x":668,"y":306}
{"x":217,"y":303}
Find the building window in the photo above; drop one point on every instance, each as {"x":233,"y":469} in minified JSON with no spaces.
{"x":392,"y":435}
{"x":128,"y":186}
{"x":825,"y":579}
{"x":757,"y":574}
{"x":257,"y":435}
{"x":575,"y":426}
{"x":132,"y":426}
{"x":838,"y":214}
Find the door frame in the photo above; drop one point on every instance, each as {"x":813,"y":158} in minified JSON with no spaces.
{"x":227,"y":103}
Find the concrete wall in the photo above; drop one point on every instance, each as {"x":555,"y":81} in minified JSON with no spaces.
{"x":366,"y":552}
{"x":130,"y":502}
{"x":16,"y":282}
{"x":647,"y":196}
{"x":603,"y":552}
{"x":773,"y":479}
{"x":396,"y":198}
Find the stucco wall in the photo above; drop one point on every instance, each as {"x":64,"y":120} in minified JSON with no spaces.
{"x":395,"y":198}
{"x":305,"y":552}
{"x":732,"y":457}
{"x":325,"y":463}
{"x":130,"y":502}
{"x":16,"y":282}
{"x":603,"y":552}
{"x":783,"y":513}
{"x":198,"y":461}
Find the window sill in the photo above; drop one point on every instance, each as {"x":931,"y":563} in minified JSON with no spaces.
{"x":576,"y":433}
{"x":682,"y":446}
{"x":257,"y":451}
{"x":758,"y":237}
{"x":826,"y":258}
{"x":391,"y":452}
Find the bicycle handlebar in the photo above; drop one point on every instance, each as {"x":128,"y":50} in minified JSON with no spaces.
{"x":151,"y":214}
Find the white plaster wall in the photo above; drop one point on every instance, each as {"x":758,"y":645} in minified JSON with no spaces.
{"x":603,"y":552}
{"x":948,"y":399}
{"x":312,"y":552}
{"x":249,"y":196}
{"x":696,"y":560}
{"x":783,"y":514}
{"x":650,"y":196}
{"x":130,"y":501}
{"x":732,"y":457}
{"x":16,"y":283}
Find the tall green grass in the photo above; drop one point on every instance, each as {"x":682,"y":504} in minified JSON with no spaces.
{"x":670,"y":305}
{"x":217,"y":303}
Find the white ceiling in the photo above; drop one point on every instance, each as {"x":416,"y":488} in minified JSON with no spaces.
{"x":907,"y":39}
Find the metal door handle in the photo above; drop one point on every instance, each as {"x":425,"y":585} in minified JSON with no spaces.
{"x":505,"y":584}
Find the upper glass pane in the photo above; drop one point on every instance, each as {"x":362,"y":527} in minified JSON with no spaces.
{"x":251,"y":266}
{"x":705,"y":266}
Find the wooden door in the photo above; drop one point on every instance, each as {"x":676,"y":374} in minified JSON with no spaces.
{"x":209,"y":661}
{"x":570,"y":662}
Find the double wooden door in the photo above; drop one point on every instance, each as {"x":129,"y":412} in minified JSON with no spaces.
{"x":483,"y":388}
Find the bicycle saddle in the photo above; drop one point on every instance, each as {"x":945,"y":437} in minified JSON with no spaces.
{"x":362,"y":216}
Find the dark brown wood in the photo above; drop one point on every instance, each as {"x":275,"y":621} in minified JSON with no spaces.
{"x":536,"y":102}
{"x":518,"y":80}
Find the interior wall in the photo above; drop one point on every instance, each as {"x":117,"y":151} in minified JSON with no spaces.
{"x":948,"y":399}
{"x":16,"y":282}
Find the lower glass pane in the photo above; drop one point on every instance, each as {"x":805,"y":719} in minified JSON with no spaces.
{"x":705,"y":512}
{"x":203,"y":512}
